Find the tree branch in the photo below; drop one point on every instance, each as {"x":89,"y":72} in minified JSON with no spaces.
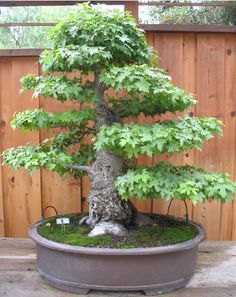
{"x":81,"y":167}
{"x":13,"y":36}
{"x":98,"y":87}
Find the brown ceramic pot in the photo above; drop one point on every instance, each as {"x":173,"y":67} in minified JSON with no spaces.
{"x":151,"y":270}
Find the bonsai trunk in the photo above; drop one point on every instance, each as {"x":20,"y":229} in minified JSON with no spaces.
{"x":108,"y":213}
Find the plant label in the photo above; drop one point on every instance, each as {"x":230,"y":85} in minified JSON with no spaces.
{"x":63,"y":221}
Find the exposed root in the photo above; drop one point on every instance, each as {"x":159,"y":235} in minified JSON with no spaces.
{"x":141,"y":219}
{"x":84,"y":221}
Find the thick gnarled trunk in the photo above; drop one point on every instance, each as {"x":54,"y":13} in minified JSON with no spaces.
{"x":108,"y":213}
{"x":106,"y":208}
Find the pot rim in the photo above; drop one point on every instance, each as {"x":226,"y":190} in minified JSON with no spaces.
{"x":189,"y":244}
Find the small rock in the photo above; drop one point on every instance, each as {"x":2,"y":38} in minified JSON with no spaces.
{"x":143,"y":220}
{"x":105,"y":228}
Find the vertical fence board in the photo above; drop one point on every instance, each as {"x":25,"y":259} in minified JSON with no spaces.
{"x":133,"y":7}
{"x":63,"y":194}
{"x":160,"y":206}
{"x":2,"y":222}
{"x":228,"y":224}
{"x":6,"y":133}
{"x":27,"y":193}
{"x":2,"y":125}
{"x":22,"y":196}
{"x":228,"y":149}
{"x":170,"y":51}
{"x":189,"y":84}
{"x":2,"y":128}
{"x":210,"y":93}
{"x":146,"y":205}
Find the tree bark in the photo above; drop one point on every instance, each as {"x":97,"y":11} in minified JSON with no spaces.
{"x":104,"y":201}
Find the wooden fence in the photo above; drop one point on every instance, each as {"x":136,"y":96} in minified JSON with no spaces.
{"x":202,"y":63}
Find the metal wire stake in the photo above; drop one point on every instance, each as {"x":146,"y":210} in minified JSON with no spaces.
{"x":186,"y":208}
{"x":43,"y":213}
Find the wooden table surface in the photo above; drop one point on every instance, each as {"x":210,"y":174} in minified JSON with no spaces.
{"x":215,"y":275}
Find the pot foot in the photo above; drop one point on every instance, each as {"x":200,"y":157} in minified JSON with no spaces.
{"x":76,"y":290}
{"x":153,"y":292}
{"x":82,"y":291}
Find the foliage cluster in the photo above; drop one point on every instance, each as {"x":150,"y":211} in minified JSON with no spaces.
{"x":59,"y":87}
{"x":149,"y":89}
{"x":40,"y":119}
{"x":168,"y":181}
{"x":50,"y":155}
{"x":162,"y":137}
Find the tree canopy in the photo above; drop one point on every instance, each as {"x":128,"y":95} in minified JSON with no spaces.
{"x":113,"y":57}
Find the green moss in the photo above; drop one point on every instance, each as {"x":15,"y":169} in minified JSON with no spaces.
{"x":73,"y":234}
{"x":166,"y":231}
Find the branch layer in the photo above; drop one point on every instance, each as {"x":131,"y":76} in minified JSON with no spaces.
{"x":171,"y":137}
{"x":181,"y":182}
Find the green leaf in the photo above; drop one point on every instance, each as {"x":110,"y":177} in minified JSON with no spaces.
{"x":100,"y":35}
{"x":180,"y":182}
{"x":60,"y":88}
{"x":169,"y":136}
{"x":149,"y":91}
{"x":50,"y":157}
{"x":38,"y":119}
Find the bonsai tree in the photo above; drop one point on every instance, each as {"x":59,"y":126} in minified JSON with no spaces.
{"x":119,"y":77}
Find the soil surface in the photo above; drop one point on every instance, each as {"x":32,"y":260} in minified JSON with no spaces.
{"x":166,"y":230}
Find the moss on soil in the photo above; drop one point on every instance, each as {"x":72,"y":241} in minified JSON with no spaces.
{"x":166,"y":231}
